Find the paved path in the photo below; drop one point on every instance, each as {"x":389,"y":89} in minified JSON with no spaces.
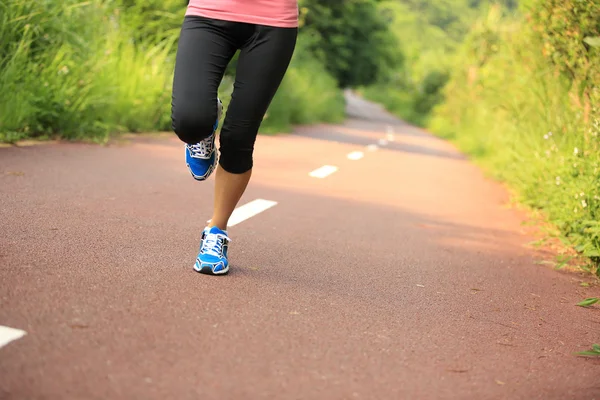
{"x":395,"y":273}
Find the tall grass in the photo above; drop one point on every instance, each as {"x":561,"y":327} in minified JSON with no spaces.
{"x":87,"y":69}
{"x":72,"y":69}
{"x":522,"y":120}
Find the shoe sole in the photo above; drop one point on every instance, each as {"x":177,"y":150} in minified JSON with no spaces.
{"x":208,"y":173}
{"x":207,"y":270}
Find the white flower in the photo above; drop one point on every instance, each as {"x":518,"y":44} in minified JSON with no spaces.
{"x":576,"y":151}
{"x":583,"y":204}
{"x":546,"y":137}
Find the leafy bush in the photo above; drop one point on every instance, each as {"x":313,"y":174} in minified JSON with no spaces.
{"x":519,"y":102}
{"x":351,"y":39}
{"x":570,"y":33}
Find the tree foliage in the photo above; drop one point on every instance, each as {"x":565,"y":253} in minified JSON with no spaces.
{"x":352,"y":38}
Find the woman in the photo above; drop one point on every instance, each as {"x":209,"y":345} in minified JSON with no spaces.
{"x":265,"y":32}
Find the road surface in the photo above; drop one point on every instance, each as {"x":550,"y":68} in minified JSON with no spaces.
{"x":373,"y":261}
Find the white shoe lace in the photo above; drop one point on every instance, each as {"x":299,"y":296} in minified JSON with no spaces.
{"x":213,"y":244}
{"x":202,"y":149}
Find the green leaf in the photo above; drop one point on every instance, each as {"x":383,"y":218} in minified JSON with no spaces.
{"x":592,"y":41}
{"x":589,"y":353}
{"x":586,"y":268}
{"x":594,"y":352}
{"x":589,"y":301}
{"x":563,"y":263}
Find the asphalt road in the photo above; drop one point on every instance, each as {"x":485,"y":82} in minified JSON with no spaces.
{"x":399,"y":273}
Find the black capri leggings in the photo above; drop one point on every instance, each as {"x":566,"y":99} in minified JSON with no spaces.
{"x":206,"y":46}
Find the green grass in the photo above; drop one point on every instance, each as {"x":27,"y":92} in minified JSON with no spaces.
{"x":90,"y":69}
{"x":74,"y":73}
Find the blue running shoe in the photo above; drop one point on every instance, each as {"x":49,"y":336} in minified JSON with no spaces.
{"x":201,"y":158}
{"x":212,"y":259}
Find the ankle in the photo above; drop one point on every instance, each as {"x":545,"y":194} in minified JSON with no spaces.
{"x":222,"y":225}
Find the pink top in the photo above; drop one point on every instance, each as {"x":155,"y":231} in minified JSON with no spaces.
{"x":280,"y":13}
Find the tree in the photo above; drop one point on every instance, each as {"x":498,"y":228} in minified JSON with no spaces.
{"x":351,"y":38}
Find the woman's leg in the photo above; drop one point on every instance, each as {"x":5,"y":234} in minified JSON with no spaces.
{"x":261,"y":67}
{"x":229,"y":189}
{"x":262,"y":64}
{"x":205,"y":48}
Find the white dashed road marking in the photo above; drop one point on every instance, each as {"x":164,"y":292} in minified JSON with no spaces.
{"x":7,"y":335}
{"x":389,"y":134}
{"x":323,"y":172}
{"x":383,"y":142}
{"x":372,"y":147}
{"x":248,"y":211}
{"x":356,"y":155}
